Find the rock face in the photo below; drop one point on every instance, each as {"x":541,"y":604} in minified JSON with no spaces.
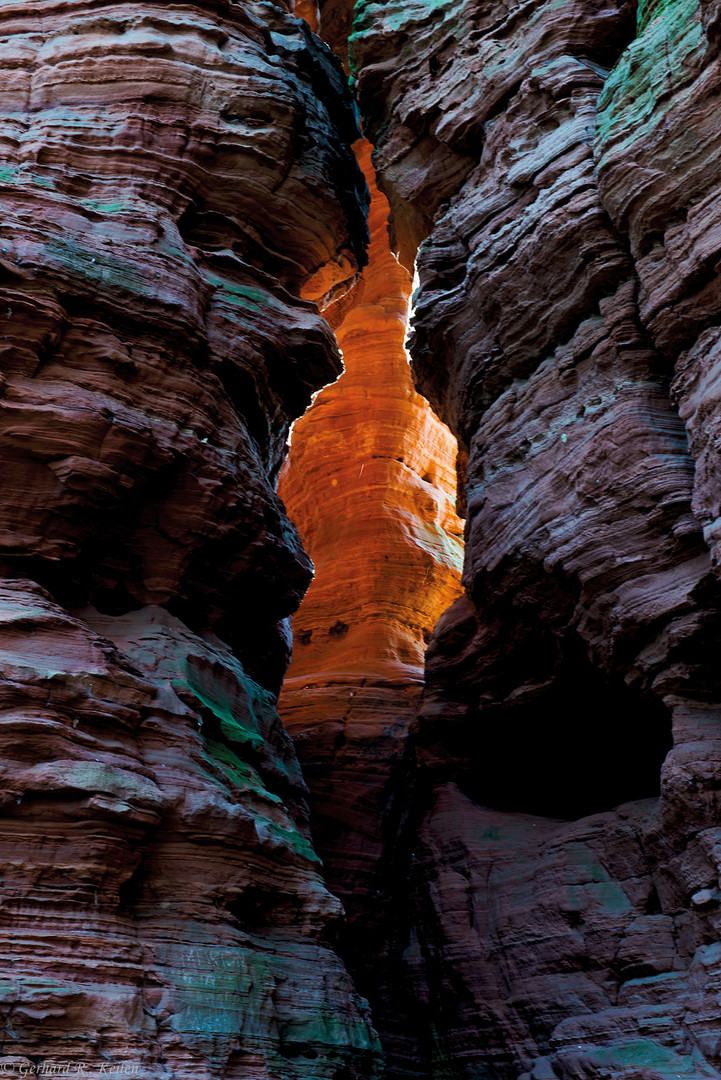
{"x":559,"y":163}
{"x":370,"y":483}
{"x":532,"y":887}
{"x":170,"y":181}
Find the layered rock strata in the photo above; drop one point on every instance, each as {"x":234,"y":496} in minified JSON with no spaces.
{"x":370,"y":483}
{"x":170,"y":181}
{"x":559,"y":164}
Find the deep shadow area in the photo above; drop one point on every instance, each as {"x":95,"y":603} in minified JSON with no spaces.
{"x":583,"y":744}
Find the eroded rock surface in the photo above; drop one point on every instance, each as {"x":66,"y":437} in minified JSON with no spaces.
{"x":170,"y":180}
{"x":537,"y":884}
{"x":558,"y":161}
{"x":370,"y":483}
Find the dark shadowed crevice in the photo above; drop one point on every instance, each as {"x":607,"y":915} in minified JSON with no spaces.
{"x":582,"y":745}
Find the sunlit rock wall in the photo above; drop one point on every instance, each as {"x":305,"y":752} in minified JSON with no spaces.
{"x":558,"y":162}
{"x":171,"y":176}
{"x":370,"y":483}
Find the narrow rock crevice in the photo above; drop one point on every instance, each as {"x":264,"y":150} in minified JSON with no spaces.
{"x":554,"y":881}
{"x":168,"y":186}
{"x":512,"y":776}
{"x":370,"y":482}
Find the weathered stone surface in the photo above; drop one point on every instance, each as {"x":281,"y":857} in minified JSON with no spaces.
{"x":568,"y":266}
{"x":532,"y":891}
{"x":162,"y":903}
{"x":170,"y":180}
{"x":433,"y":78}
{"x":149,"y":335}
{"x":370,"y":483}
{"x":658,"y":151}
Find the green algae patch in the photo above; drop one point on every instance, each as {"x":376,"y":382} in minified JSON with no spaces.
{"x":321,"y":1026}
{"x":97,"y":267}
{"x":294,"y":840}
{"x":220,"y":991}
{"x":238,"y":773}
{"x":18,"y":174}
{"x":93,"y":777}
{"x":250,"y":298}
{"x":232,"y":993}
{"x":35,"y":989}
{"x":644,"y":1052}
{"x":396,"y":16}
{"x":116,"y":207}
{"x":238,"y":704}
{"x":658,"y":62}
{"x":590,"y":886}
{"x":442,"y":1067}
{"x":233,"y":729}
{"x":648,"y":10}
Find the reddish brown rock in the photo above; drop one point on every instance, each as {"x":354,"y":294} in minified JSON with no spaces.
{"x":568,"y":266}
{"x":535,"y":887}
{"x":169,"y":180}
{"x":434,"y":77}
{"x":308,"y":10}
{"x":370,"y":484}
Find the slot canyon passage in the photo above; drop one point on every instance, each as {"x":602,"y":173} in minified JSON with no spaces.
{"x":474,"y":833}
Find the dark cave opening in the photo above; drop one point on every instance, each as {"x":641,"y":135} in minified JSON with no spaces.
{"x":583,"y":744}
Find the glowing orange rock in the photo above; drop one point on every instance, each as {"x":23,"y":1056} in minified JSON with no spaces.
{"x":370,"y":484}
{"x":308,"y":10}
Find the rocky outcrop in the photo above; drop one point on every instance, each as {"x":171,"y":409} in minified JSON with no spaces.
{"x":170,"y":181}
{"x":558,"y":163}
{"x":532,"y":889}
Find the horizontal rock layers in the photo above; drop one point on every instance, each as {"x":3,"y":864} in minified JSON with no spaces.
{"x":534,"y":891}
{"x":170,"y":180}
{"x":370,"y":483}
{"x":559,"y":164}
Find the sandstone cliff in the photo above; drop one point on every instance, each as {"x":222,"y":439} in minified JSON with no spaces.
{"x":170,"y":180}
{"x":370,"y":483}
{"x":559,"y":164}
{"x":531,"y":880}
